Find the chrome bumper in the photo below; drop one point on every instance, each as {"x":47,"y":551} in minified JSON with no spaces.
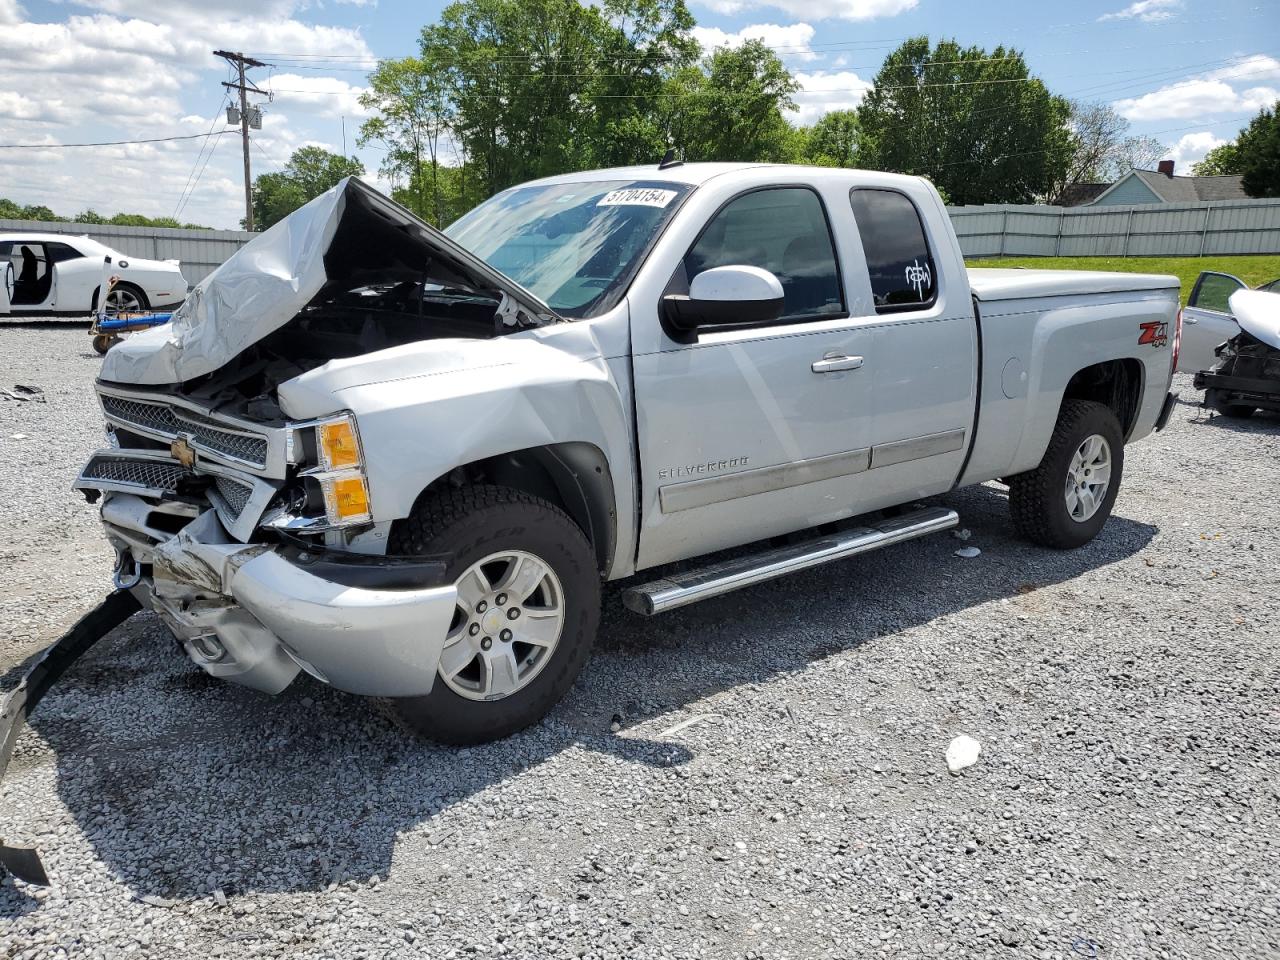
{"x":246,"y":613}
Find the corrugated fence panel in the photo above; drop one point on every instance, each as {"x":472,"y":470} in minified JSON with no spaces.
{"x":200,"y":251}
{"x":1142,"y":230}
{"x":993,"y":230}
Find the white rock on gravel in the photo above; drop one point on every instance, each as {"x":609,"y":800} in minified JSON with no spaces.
{"x":962,"y":752}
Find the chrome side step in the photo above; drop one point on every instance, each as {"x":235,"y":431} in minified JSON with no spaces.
{"x":681,"y":589}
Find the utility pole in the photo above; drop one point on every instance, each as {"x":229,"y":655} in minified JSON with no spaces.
{"x":240,"y":61}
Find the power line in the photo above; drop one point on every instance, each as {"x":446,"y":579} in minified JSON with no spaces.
{"x":196,"y":163}
{"x":240,"y":62}
{"x":109,"y":143}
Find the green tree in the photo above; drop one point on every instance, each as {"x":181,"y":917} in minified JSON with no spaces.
{"x":414,"y":114}
{"x":975,"y":122}
{"x":310,"y":172}
{"x":1222,"y":161}
{"x":730,"y":107}
{"x":1258,"y":147}
{"x":834,"y":140}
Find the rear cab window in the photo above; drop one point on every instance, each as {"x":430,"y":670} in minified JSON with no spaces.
{"x":901,"y":268}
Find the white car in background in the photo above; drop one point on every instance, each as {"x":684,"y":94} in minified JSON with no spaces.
{"x":53,"y":273}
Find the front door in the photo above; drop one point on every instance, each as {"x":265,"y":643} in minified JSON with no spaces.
{"x":752,"y":432}
{"x":1207,"y":321}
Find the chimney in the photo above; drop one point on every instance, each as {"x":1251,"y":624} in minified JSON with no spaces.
{"x":1166,"y":167}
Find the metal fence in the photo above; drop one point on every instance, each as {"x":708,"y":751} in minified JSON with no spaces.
{"x":999,"y":230}
{"x":199,"y":250}
{"x":1144,"y":230}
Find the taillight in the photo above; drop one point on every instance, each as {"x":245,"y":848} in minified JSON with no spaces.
{"x":1177,"y":340}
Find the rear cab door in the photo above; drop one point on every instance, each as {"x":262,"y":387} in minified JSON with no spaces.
{"x":924,"y":362}
{"x":1206,"y":320}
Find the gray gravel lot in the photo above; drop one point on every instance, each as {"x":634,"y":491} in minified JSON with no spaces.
{"x":1126,"y":804}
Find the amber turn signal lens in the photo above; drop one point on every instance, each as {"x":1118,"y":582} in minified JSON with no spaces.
{"x":347,"y":499}
{"x":339,"y":448}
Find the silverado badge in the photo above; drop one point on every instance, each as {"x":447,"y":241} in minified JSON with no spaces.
{"x":182,"y":451}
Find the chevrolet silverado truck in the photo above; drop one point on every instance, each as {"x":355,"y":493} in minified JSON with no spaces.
{"x":404,"y":461}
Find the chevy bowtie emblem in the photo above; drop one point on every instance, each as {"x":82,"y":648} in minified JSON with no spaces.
{"x":183,"y":452}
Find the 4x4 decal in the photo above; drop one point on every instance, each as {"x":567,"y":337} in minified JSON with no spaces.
{"x":1155,"y":333}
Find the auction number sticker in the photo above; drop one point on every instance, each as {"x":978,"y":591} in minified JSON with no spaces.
{"x":637,"y":197}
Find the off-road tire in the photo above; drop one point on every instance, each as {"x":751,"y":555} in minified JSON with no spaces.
{"x":1036,"y":498}
{"x":468,"y":524}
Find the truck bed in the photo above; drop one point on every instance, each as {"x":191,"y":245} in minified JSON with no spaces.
{"x":990,"y":284}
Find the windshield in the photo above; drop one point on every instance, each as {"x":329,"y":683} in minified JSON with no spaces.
{"x":575,"y":245}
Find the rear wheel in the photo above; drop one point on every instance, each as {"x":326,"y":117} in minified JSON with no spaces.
{"x":125,"y":298}
{"x":1065,"y":501}
{"x":527,"y":611}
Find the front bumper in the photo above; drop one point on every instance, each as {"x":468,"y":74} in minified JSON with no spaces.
{"x":256,"y":614}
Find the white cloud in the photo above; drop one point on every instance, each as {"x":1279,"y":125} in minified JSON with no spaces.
{"x":1208,"y":94}
{"x":1149,"y":11}
{"x":1249,"y":69}
{"x":1191,"y":148}
{"x":788,"y":41}
{"x":317,"y":94}
{"x":137,"y":69}
{"x":819,"y":9}
{"x":1195,"y":98}
{"x":827,"y":91}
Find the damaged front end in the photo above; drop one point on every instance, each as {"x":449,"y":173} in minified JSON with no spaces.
{"x":1246,"y":376}
{"x":248,"y":531}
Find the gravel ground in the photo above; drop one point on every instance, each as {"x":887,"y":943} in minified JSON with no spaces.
{"x":1126,"y":696}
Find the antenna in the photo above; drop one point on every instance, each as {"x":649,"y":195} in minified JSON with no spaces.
{"x":669,"y":159}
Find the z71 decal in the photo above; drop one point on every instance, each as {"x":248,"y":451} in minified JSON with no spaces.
{"x":1155,"y":333}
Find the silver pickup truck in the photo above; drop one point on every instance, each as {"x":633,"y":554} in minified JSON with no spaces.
{"x":403,"y":461}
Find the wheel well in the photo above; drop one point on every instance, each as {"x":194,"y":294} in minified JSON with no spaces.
{"x":573,"y":476}
{"x":93,"y":302}
{"x":1116,"y":384}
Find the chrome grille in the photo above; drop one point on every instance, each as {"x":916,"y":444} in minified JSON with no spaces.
{"x":234,"y":494}
{"x":148,"y":474}
{"x":170,"y":421}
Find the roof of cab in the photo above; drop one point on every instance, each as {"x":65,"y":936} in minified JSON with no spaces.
{"x":696,"y":174}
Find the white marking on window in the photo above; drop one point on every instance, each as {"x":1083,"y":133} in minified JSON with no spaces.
{"x":637,"y":197}
{"x":919,"y":277}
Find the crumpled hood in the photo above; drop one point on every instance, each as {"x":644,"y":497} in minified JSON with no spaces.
{"x":1258,"y":312}
{"x":269,"y":280}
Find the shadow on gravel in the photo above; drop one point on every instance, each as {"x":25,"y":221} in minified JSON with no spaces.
{"x":184,"y":786}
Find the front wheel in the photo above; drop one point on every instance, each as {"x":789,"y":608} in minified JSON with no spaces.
{"x":1065,"y":501}
{"x":526,"y":616}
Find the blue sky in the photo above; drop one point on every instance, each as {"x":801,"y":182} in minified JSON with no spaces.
{"x":1188,"y":72}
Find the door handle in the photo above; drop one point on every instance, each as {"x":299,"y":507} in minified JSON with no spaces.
{"x":834,"y":363}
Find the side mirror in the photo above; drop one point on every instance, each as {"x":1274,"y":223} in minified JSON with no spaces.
{"x":726,"y":295}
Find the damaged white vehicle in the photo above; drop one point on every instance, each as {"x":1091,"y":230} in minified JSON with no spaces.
{"x":403,"y":461}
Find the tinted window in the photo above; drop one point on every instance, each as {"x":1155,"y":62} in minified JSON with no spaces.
{"x":902,"y":271}
{"x":784,"y":231}
{"x":1272,"y":287}
{"x":60,"y":252}
{"x":1212,"y":292}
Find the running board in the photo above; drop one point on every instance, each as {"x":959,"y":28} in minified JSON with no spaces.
{"x":680,"y":589}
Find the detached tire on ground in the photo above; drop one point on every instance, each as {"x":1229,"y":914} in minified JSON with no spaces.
{"x":1065,"y":501}
{"x":528,"y":610}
